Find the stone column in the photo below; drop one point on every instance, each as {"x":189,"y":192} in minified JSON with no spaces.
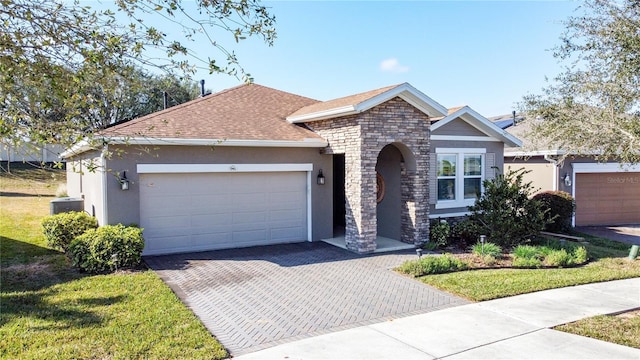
{"x":361,"y":221}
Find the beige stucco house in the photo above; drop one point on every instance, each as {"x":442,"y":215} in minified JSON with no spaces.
{"x":253,"y":165}
{"x":605,"y":193}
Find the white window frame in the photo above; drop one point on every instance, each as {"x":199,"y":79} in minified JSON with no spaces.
{"x":459,"y":201}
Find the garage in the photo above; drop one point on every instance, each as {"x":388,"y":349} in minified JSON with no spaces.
{"x":222,"y":206}
{"x":607,"y":198}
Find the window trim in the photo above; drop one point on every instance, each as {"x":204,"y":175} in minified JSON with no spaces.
{"x":460,"y":201}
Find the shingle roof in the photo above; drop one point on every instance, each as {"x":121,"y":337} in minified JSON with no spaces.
{"x":449,"y":112}
{"x":523,"y":130}
{"x":341,"y":102}
{"x":245,"y":112}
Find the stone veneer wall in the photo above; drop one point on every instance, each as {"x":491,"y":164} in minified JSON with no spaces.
{"x":361,"y":137}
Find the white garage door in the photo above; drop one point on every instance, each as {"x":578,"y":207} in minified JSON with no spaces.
{"x":208,"y":211}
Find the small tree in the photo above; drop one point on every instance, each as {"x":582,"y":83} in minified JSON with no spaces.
{"x":506,"y":213}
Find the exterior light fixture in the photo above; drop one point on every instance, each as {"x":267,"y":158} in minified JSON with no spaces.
{"x":124,"y":182}
{"x":320,"y":179}
{"x":567,"y":179}
{"x":483,"y":238}
{"x":419,"y":252}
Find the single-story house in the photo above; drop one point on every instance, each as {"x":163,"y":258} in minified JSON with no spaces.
{"x":605,"y":193}
{"x":252,"y":165}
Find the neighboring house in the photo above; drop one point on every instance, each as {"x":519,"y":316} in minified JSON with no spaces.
{"x":253,"y":165}
{"x":605,"y":193}
{"x":28,"y":152}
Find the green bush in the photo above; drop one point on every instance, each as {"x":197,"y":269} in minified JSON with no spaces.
{"x":59,"y":230}
{"x":107,"y":248}
{"x":527,"y":252}
{"x":561,"y":207}
{"x":439,"y":232}
{"x":488,"y":249}
{"x":506,"y":213}
{"x":522,"y":262}
{"x":466,"y":232}
{"x":580,"y":255}
{"x":432,"y":265}
{"x":558,"y":258}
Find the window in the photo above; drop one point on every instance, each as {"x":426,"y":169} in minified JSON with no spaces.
{"x":459,"y":186}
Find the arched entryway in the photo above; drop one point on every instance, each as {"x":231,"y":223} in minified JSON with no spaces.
{"x":395,"y":166}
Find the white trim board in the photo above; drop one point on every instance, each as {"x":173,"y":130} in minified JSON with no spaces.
{"x":463,"y":138}
{"x":220,"y":168}
{"x":84,"y":145}
{"x":466,"y":151}
{"x":604,"y":168}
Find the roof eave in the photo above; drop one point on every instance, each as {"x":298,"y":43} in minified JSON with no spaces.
{"x":322,"y":115}
{"x":534,"y":153}
{"x":405,"y":91}
{"x":481,"y":123}
{"x":84,"y":146}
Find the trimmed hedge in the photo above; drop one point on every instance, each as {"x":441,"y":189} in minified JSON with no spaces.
{"x":59,"y":230}
{"x":107,"y":248}
{"x":561,"y":207}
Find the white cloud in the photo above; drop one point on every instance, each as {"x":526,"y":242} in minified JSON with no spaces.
{"x":393,"y":65}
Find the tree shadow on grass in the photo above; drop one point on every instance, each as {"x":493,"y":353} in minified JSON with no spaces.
{"x":14,"y":252}
{"x":28,"y":288}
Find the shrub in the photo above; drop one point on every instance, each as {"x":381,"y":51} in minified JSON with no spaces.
{"x":527,"y":252}
{"x":489,"y":260}
{"x":466,"y":232}
{"x":439,"y":233}
{"x":561,"y":207}
{"x":488,"y":249}
{"x":432,"y":265}
{"x":555,"y":254}
{"x":522,"y":262}
{"x":107,"y":248}
{"x":506,"y":213}
{"x":558,"y":258}
{"x":580,"y":255}
{"x":60,"y":229}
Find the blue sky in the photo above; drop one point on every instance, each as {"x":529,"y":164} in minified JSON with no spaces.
{"x":483,"y":54}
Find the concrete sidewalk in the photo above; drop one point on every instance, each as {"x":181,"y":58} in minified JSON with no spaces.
{"x":514,"y":327}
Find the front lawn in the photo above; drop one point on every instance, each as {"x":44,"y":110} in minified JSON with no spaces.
{"x":49,"y":310}
{"x":608,"y":261}
{"x":623,"y":329}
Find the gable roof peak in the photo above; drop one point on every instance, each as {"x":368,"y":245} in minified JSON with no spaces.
{"x":361,"y":102}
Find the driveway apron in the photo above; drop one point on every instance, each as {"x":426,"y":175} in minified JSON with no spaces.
{"x":255,"y":298}
{"x":629,"y":234}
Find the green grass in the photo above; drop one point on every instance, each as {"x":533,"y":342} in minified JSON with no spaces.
{"x":623,"y":329}
{"x":609,"y":262}
{"x":49,"y":310}
{"x":480,"y":285}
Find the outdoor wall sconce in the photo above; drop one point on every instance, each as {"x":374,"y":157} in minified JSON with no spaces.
{"x":567,"y":179}
{"x":124,"y":182}
{"x":320,"y":179}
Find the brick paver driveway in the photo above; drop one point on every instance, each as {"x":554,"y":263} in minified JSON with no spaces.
{"x":259,"y":297}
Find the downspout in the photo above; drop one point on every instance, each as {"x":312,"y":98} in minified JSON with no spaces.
{"x":555,"y":171}
{"x":104,"y":180}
